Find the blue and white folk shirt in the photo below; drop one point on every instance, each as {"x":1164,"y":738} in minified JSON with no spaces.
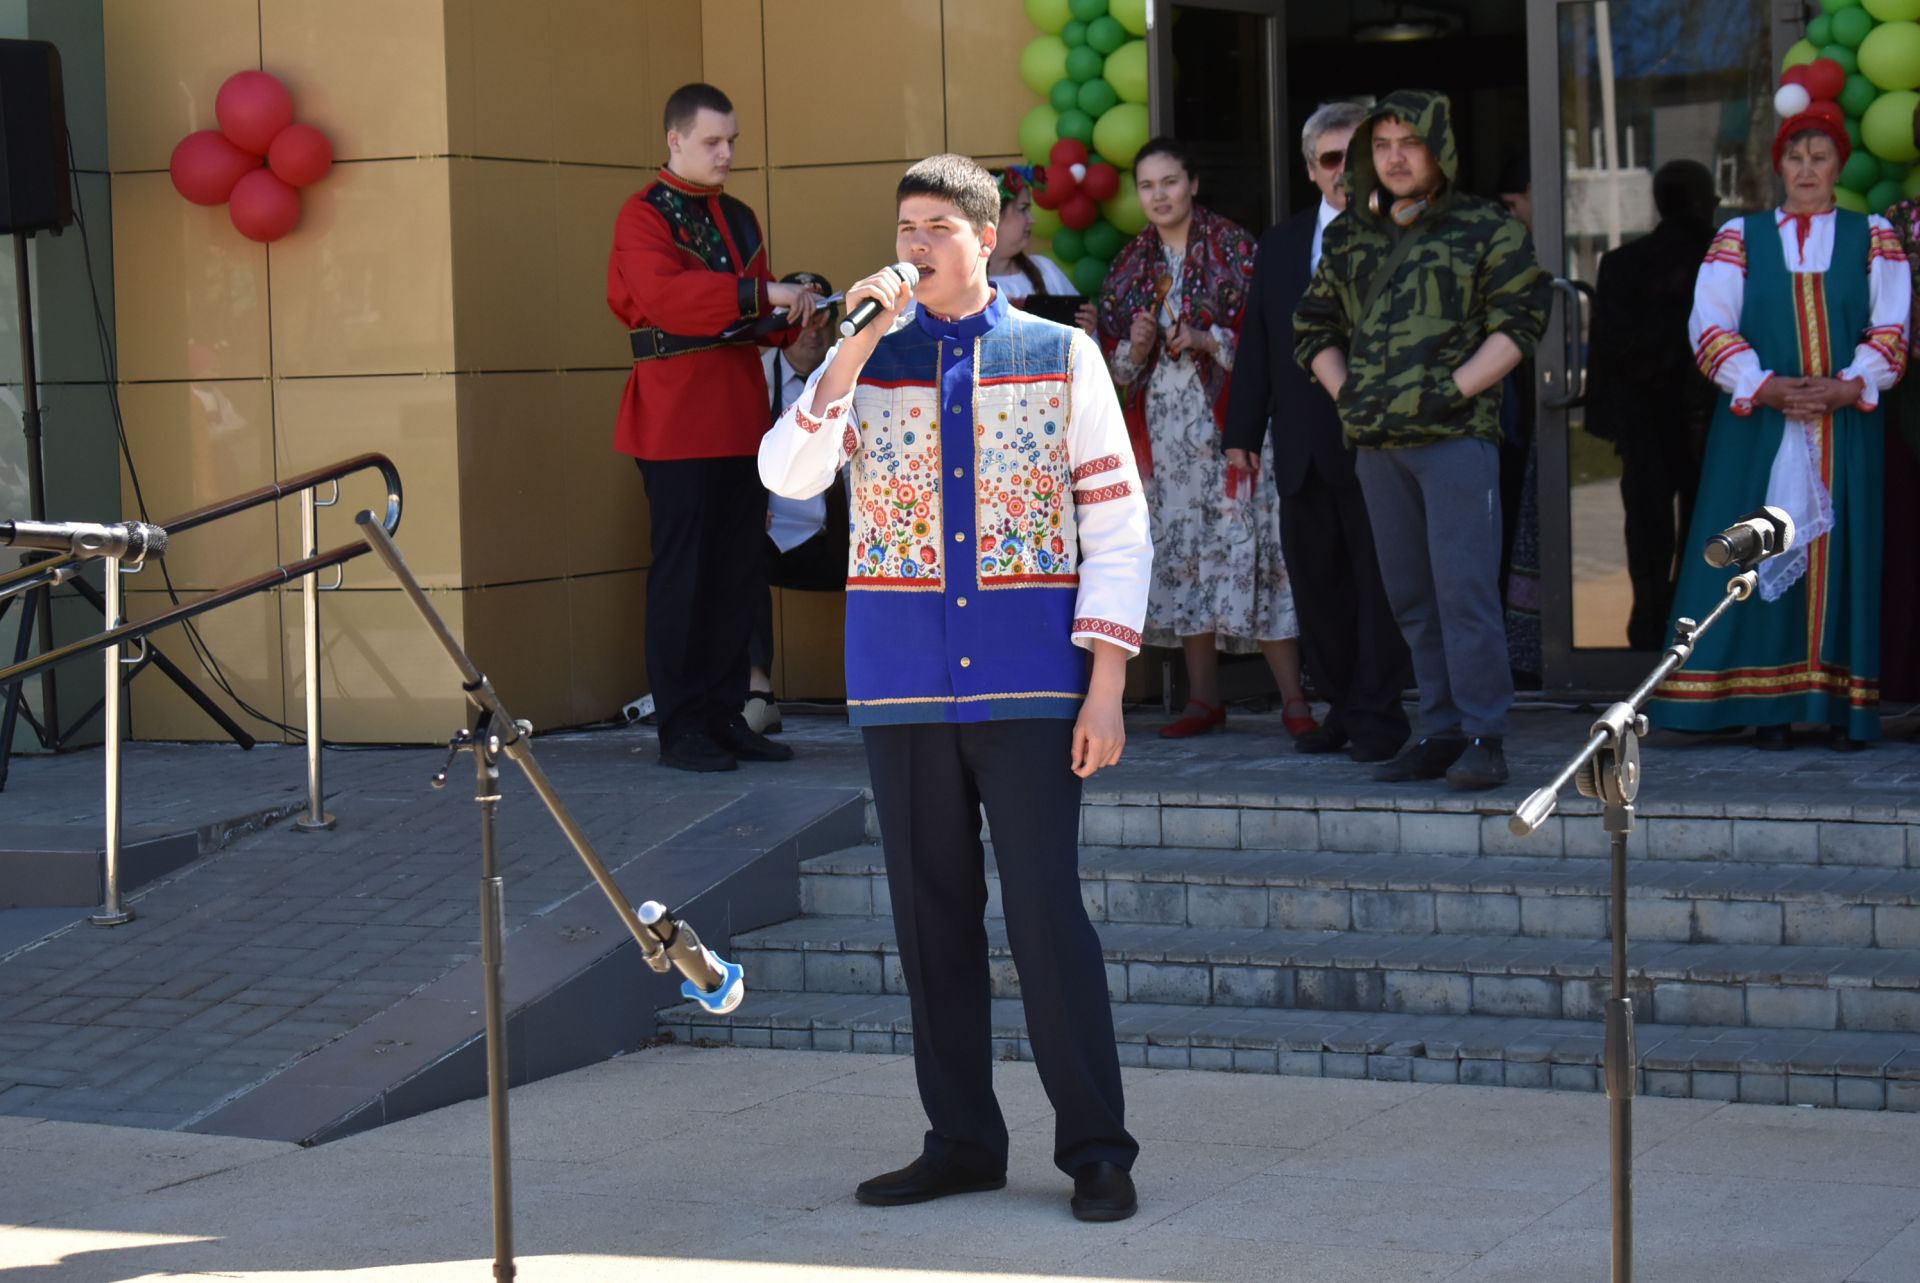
{"x":997,"y":520}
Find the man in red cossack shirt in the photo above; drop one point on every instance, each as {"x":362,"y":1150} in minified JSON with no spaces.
{"x":689,"y":278}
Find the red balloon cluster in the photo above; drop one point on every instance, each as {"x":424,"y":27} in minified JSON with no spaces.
{"x":1069,"y":184}
{"x":223,"y":166}
{"x":1812,"y":89}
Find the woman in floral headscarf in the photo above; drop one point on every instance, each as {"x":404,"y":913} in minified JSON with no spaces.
{"x":1169,"y":321}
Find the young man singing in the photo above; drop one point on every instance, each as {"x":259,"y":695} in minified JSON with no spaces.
{"x":1000,"y":538}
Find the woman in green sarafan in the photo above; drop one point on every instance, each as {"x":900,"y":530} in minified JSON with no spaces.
{"x":1783,"y":298}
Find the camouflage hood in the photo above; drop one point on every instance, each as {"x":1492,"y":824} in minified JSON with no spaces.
{"x":1431,"y":116}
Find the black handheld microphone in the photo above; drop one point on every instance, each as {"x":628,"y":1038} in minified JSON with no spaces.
{"x":862,"y":316}
{"x":1762,"y":533}
{"x":131,"y":542}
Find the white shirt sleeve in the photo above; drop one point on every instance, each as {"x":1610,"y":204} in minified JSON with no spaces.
{"x":801,"y":454}
{"x":1881,"y":356}
{"x":1110,"y":509}
{"x":1714,"y":327}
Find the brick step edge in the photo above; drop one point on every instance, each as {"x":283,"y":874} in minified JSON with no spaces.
{"x":1749,"y":1065}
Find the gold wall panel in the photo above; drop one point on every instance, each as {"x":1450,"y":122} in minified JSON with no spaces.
{"x":365,"y":284}
{"x":673,"y":58}
{"x":587,"y":202}
{"x":985,"y":96}
{"x":897,"y":112}
{"x":598,"y":116}
{"x":513,"y":500}
{"x":189,"y":292}
{"x":165,"y":62}
{"x":500,"y":61}
{"x":810,"y":645}
{"x":733,"y":62}
{"x":384,"y":678}
{"x":603,"y":517}
{"x":837,"y":220}
{"x":410,"y":419}
{"x":607,"y":638}
{"x":194,"y":443}
{"x":517,"y":636}
{"x":245,"y":637}
{"x":370,"y":74}
{"x":505,"y":265}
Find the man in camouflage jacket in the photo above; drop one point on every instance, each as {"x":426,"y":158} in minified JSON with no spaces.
{"x":1424,"y":300}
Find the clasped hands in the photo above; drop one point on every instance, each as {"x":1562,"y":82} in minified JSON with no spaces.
{"x":1809,"y":399}
{"x":1181,"y":339}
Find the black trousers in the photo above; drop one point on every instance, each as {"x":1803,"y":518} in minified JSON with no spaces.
{"x":1348,"y":638}
{"x":930,"y":782}
{"x":818,"y":565}
{"x":1658,"y":471}
{"x":709,"y":518}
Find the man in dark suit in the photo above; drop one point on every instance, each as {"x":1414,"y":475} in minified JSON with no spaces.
{"x":1351,"y":644}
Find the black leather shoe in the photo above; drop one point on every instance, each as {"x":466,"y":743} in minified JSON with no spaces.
{"x":1426,"y":760}
{"x":1327,"y":739}
{"x":1373,"y":750}
{"x":923,"y":1180}
{"x":1482,"y":766}
{"x":736,"y":737}
{"x":1103,"y":1191}
{"x":696,"y":751}
{"x":1841,"y":742}
{"x":1774,"y":739}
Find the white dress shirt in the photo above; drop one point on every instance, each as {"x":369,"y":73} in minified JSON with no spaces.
{"x":1327,"y":214}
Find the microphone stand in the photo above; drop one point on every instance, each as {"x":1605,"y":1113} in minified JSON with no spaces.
{"x":1608,"y":768}
{"x":665,"y":942}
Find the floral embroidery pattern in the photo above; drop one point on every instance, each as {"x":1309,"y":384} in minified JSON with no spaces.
{"x":896,"y":495}
{"x":1020,"y":447}
{"x":691,"y":221}
{"x":1107,"y":628}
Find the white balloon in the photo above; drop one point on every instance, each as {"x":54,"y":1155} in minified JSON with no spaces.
{"x":1792,"y":100}
{"x":1079,"y":173}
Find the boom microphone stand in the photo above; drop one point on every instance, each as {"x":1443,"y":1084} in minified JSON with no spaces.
{"x":665,"y":942}
{"x":1608,"y":768}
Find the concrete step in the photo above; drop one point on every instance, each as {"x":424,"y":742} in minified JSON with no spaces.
{"x":1675,"y":901}
{"x":1798,"y":986}
{"x":52,"y":865}
{"x":1757,"y":1065}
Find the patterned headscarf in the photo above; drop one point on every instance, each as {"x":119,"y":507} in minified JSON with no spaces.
{"x":1214,"y":278}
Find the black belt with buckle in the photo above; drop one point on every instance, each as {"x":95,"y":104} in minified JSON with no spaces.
{"x":654,"y":345}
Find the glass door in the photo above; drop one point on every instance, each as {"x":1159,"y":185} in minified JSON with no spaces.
{"x":1618,"y":90}
{"x":1215,"y":82}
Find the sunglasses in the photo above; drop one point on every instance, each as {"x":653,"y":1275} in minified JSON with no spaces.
{"x":1332,"y":159}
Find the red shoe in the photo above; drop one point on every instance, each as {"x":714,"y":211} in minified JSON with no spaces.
{"x":1199,"y":719}
{"x":1300,"y":723}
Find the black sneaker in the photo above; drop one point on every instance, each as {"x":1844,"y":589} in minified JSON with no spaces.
{"x":1428,"y":759}
{"x":923,"y":1180}
{"x":696,"y":751}
{"x":1482,"y":766}
{"x":736,"y":737}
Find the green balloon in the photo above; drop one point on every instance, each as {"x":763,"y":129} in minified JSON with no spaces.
{"x":1861,"y":172}
{"x":1820,"y":30}
{"x":1074,"y":34}
{"x":1046,"y":223}
{"x":1850,"y":26}
{"x":1835,"y":6}
{"x":1882,"y":195}
{"x":1097,"y":98}
{"x":1858,"y":95}
{"x":1799,"y":54}
{"x":1122,"y":209}
{"x":1106,"y":34}
{"x":1049,"y":15}
{"x":1069,"y":244}
{"x":1088,"y":10}
{"x":1039,"y":131}
{"x":1076,"y":124}
{"x":1104,"y":240}
{"x":1842,"y":55}
{"x":1892,"y":10}
{"x":1894,"y":172}
{"x":1126,"y":71}
{"x":1122,"y":132}
{"x":1131,"y":14}
{"x":1090,"y":274}
{"x":1042,"y":62}
{"x":1084,"y":63}
{"x":1887,"y":128}
{"x":1065,"y":94}
{"x":1890,"y":55}
{"x":1853,"y":134}
{"x":1911,"y":188}
{"x":1847,"y":198}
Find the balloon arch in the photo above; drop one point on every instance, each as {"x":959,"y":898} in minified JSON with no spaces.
{"x":1860,"y":65}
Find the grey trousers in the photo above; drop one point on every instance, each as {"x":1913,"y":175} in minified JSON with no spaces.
{"x":1435,"y":511}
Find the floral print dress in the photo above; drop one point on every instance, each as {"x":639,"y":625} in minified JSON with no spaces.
{"x":1217,"y":566}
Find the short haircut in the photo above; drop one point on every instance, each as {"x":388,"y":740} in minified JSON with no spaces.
{"x":1684,"y":189}
{"x":1328,"y":117}
{"x":959,"y":180}
{"x":686,"y":102}
{"x":1172,"y":148}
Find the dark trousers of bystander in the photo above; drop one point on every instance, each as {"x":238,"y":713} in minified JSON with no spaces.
{"x":1658,"y":470}
{"x":708,"y":522}
{"x":818,"y":565}
{"x":930,"y":782}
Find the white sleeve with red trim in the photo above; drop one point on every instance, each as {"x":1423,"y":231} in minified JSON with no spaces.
{"x":801,"y":455}
{"x":1718,"y":294}
{"x":1881,"y":356}
{"x":1109,"y":508}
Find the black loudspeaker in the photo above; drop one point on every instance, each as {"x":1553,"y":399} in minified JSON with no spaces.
{"x":36,"y":189}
